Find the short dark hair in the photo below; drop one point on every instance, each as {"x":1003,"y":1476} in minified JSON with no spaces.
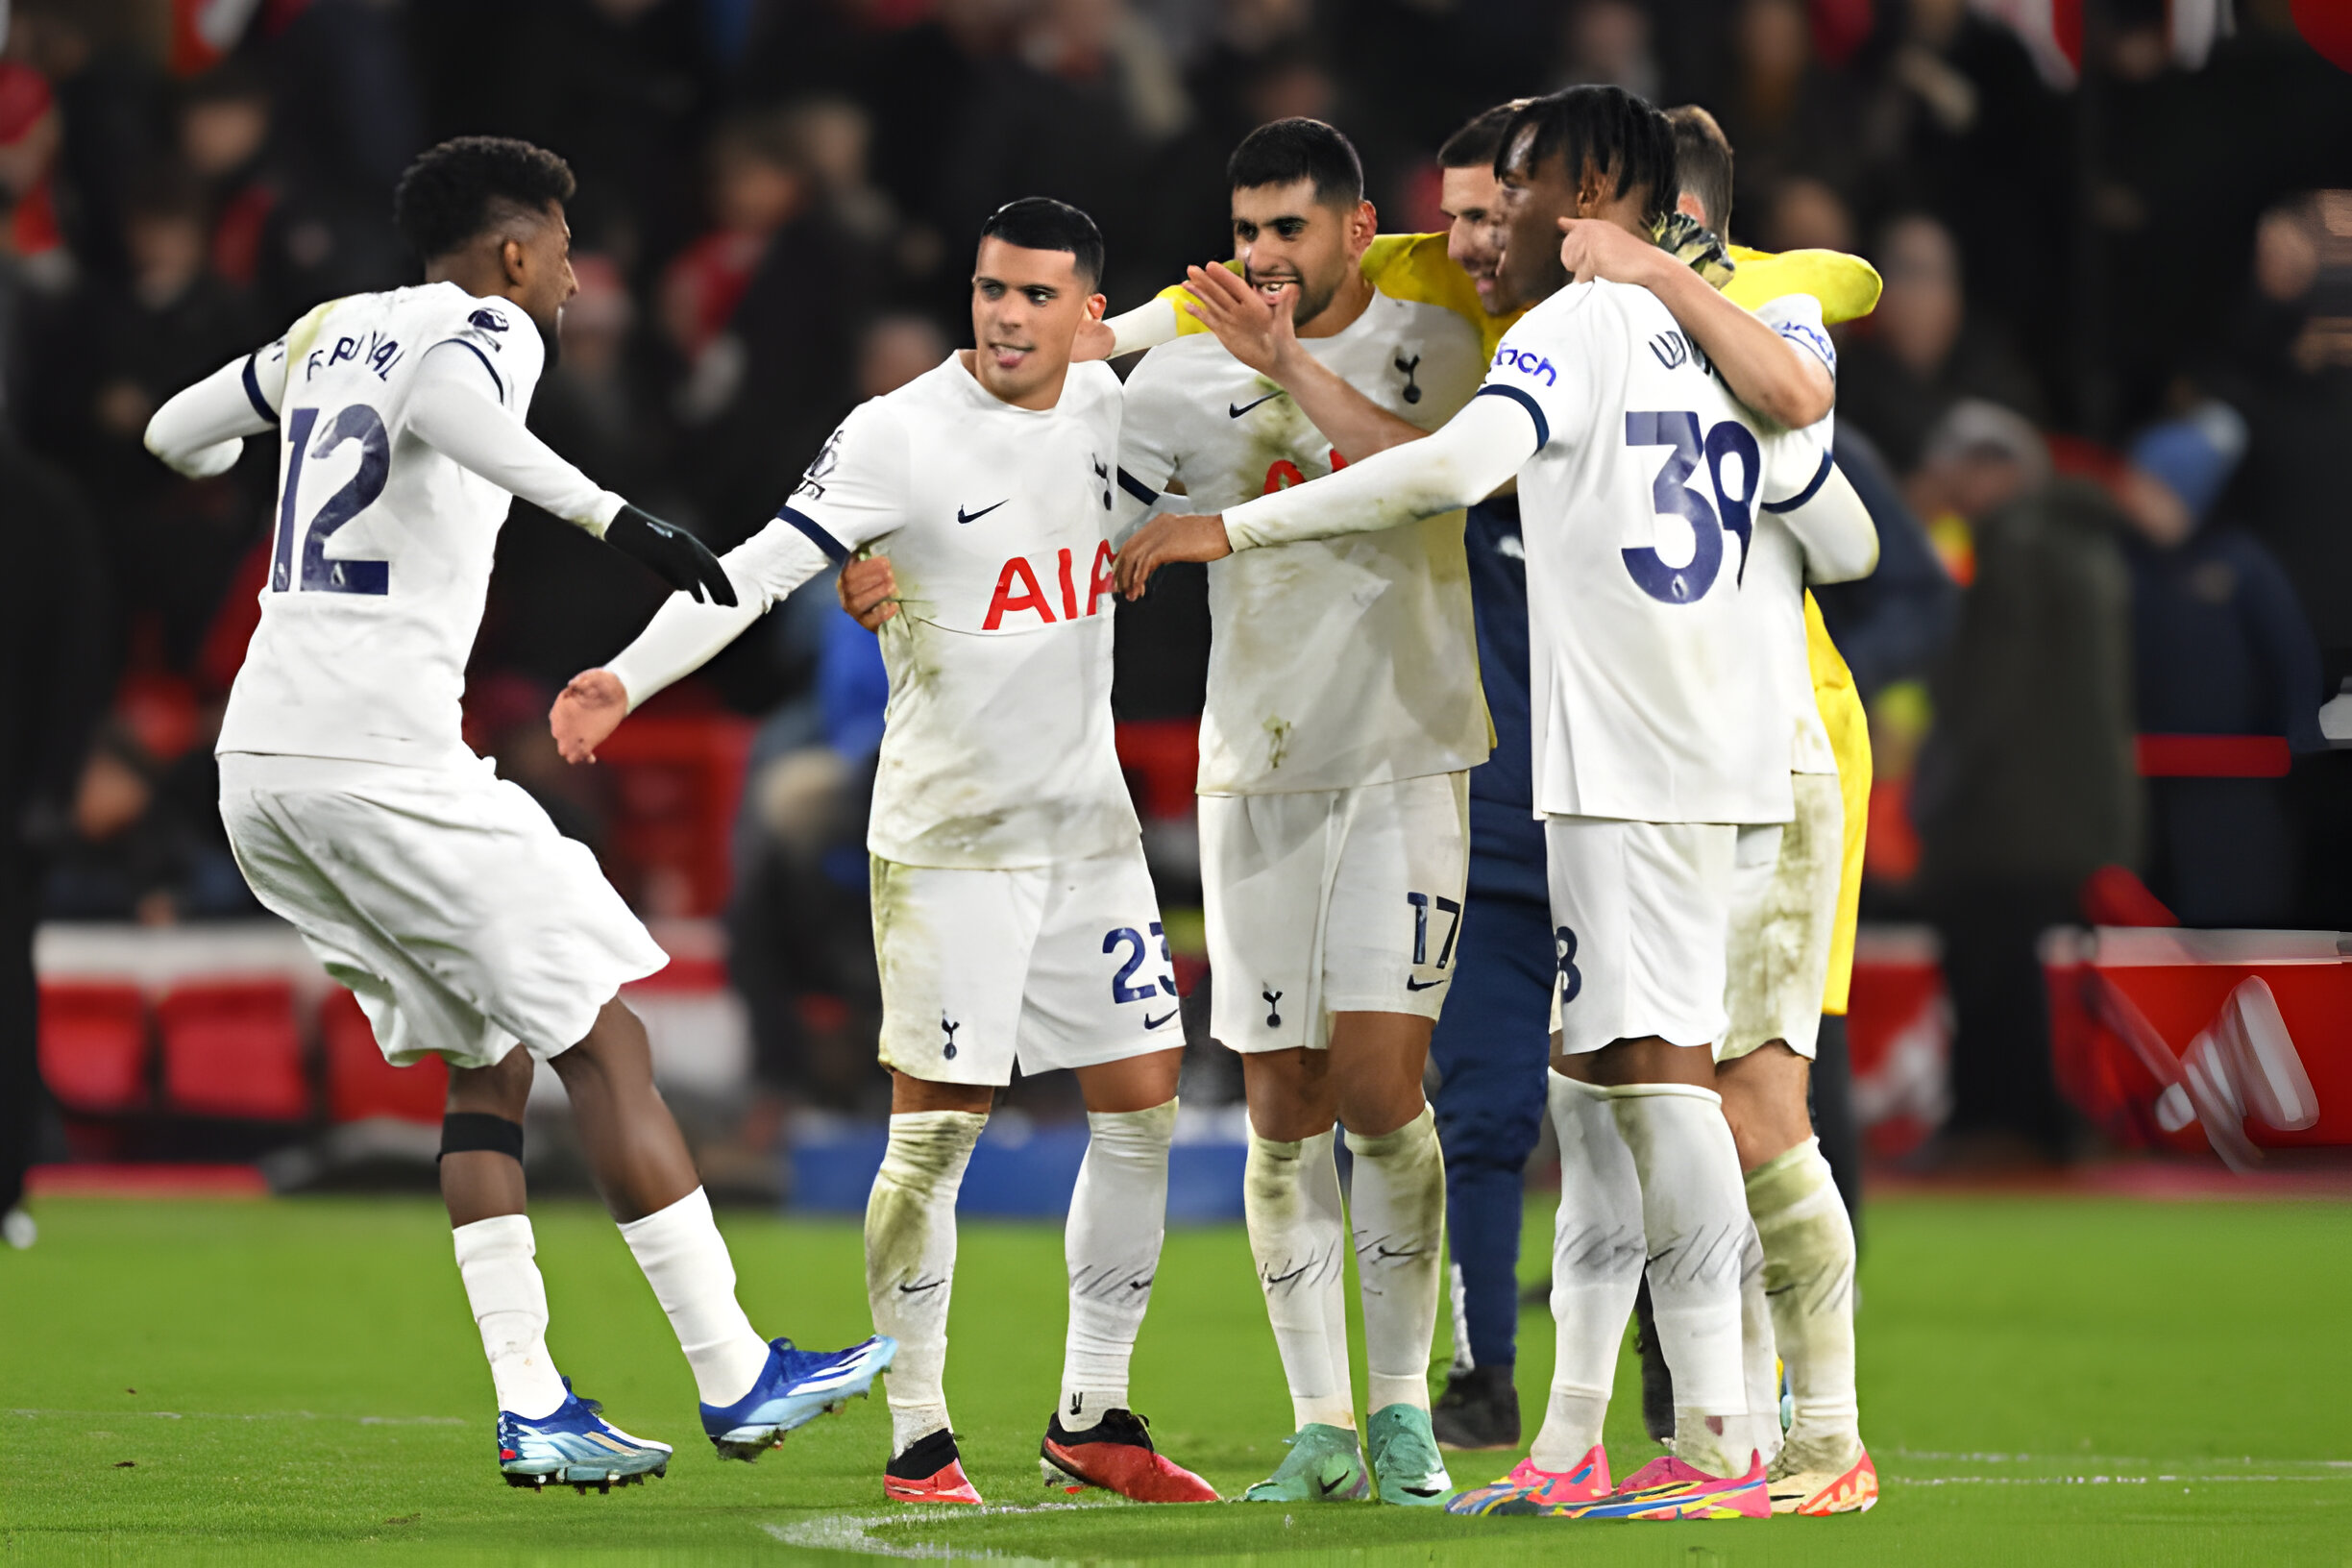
{"x":454,"y":192}
{"x":1605,"y":128}
{"x":1039,"y":223}
{"x":1284,"y":151}
{"x":1702,"y":164}
{"x":1475,"y":144}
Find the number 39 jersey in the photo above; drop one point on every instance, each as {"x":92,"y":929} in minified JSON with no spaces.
{"x":1637,"y":511}
{"x":997,"y":747}
{"x":380,"y":554}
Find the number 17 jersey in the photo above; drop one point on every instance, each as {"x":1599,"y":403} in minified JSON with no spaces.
{"x":1637,"y":511}
{"x":382,"y":547}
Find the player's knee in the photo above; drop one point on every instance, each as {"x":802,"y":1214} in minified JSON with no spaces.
{"x":615,"y":1047}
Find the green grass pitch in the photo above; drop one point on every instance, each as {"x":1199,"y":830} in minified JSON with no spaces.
{"x":2044,"y":1379}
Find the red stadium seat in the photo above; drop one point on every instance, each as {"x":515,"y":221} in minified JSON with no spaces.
{"x":360,"y":1083}
{"x":231,"y":1048}
{"x":93,"y":1045}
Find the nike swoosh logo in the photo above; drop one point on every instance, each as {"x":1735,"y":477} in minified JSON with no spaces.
{"x":1330,"y":1486}
{"x":1150,"y":1022}
{"x":1273,"y":1279}
{"x":1422,"y":984}
{"x":962,"y":516}
{"x":918,"y":1290}
{"x":1234,"y":410}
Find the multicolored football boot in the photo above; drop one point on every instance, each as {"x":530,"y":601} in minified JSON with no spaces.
{"x":573,"y":1445}
{"x":1324,"y":1466}
{"x":1667,"y":1488}
{"x":931,"y":1470}
{"x":794,"y":1387}
{"x":1528,"y":1489}
{"x":1116,"y":1454}
{"x":1404,"y":1457}
{"x":1818,"y":1493}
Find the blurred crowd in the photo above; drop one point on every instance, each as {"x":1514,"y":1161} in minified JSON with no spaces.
{"x":2108,"y":375}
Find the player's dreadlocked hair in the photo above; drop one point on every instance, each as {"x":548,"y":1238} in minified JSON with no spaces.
{"x":1602,"y":128}
{"x":1039,"y":223}
{"x":455,"y":191}
{"x":1475,"y":144}
{"x":1284,"y":151}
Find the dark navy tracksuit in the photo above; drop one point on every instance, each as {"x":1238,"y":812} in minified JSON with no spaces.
{"x":1492,"y":1044}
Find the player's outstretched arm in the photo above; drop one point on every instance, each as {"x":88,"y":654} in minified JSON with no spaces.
{"x":1258,"y":332}
{"x":1458,"y":464}
{"x":201,"y":429}
{"x":450,"y":411}
{"x":1762,"y":369}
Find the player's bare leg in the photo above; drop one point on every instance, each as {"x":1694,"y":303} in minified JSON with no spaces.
{"x":1117,"y":1219}
{"x":1808,"y":1280}
{"x":752,"y":1392}
{"x":910,"y":1275}
{"x":1370,"y":1081}
{"x":545,"y":1434}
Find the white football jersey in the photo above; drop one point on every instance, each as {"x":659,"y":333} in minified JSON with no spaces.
{"x":1651,"y":699}
{"x":998,"y":749}
{"x":1773,"y":594}
{"x":1336,"y":662}
{"x":381,"y":554}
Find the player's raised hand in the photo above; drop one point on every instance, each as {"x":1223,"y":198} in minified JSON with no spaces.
{"x":587,"y":711}
{"x":1596,"y":248}
{"x":677,"y":557}
{"x":1255,"y":329}
{"x":869,"y":589}
{"x":1174,"y":536}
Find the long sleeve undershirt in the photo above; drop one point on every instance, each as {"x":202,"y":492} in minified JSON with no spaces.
{"x":684,"y":634}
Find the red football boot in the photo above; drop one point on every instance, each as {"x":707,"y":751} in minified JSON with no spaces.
{"x":929,"y":1471}
{"x":1116,"y":1454}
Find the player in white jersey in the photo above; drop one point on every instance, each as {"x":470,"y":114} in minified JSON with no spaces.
{"x":1014,"y":919}
{"x":443,"y":897}
{"x":1656,"y":736}
{"x":1343,"y":715}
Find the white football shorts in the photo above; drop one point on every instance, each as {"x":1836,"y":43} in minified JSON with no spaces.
{"x":1640,"y":912}
{"x":1327,"y":901}
{"x":443,"y":897}
{"x":1059,"y":965}
{"x":1784,"y":909}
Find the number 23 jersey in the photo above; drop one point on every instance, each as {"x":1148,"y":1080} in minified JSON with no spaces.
{"x":1649,"y":700}
{"x":382,"y":547}
{"x":997,"y":747}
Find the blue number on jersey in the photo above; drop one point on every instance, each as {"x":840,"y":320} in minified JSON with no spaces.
{"x":357,"y":423}
{"x":1672,"y":494}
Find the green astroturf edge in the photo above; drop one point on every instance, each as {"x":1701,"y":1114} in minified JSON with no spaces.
{"x":2043,"y":1381}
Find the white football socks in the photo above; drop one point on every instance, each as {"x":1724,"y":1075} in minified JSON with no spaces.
{"x":1396,"y":1205}
{"x":1117,"y":1219}
{"x":1695,"y":1218}
{"x":509,"y":1302}
{"x":685,"y":1261}
{"x":1596,"y":1270}
{"x":1759,"y":1430}
{"x":1808,"y":1277}
{"x":1298,"y":1236}
{"x":909,"y":1259}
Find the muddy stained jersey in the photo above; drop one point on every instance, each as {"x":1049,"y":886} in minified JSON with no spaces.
{"x":1337,"y":662}
{"x":1649,"y":701}
{"x":380,"y":557}
{"x":998,"y":748}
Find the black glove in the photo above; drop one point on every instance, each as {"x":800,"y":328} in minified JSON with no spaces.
{"x":677,"y":557}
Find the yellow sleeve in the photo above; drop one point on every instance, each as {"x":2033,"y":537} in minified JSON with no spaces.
{"x":1410,"y":267}
{"x":1847,"y":286}
{"x":1848,"y":726}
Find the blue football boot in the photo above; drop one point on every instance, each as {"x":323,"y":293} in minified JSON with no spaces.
{"x":796,"y":1387}
{"x":575,"y":1445}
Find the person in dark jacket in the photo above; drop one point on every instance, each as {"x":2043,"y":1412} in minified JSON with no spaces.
{"x":2219,"y":647}
{"x":2028,"y":784}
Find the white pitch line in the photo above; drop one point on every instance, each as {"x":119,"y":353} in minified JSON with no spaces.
{"x":851,"y":1533}
{"x":2234,"y":1479}
{"x":247,"y":1415}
